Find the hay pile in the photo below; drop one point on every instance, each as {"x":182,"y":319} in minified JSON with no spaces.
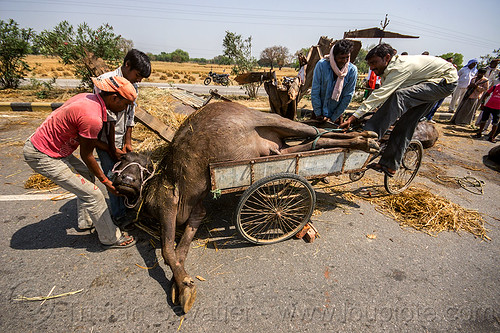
{"x":157,"y":102}
{"x":424,"y":211}
{"x":39,"y":182}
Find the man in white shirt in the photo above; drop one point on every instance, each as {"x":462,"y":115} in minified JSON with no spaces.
{"x":465,"y":75}
{"x":116,"y":135}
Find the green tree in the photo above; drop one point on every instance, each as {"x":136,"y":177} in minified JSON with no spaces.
{"x":221,"y":60}
{"x":73,"y":47}
{"x":295,"y":62}
{"x":239,"y":50}
{"x":14,"y":46}
{"x":457,"y":58}
{"x":360,"y":61}
{"x":485,"y":60}
{"x":180,"y":56}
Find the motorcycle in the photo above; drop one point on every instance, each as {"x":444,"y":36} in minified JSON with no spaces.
{"x":217,"y":78}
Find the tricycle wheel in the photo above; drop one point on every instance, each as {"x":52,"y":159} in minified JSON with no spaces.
{"x":207,"y":81}
{"x":355,"y":176}
{"x":408,"y":169}
{"x":275,"y":208}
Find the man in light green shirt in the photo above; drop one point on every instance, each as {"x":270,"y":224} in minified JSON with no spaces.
{"x":409,"y":88}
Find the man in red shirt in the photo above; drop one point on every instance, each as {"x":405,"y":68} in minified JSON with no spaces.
{"x":49,"y":151}
{"x":492,"y":106}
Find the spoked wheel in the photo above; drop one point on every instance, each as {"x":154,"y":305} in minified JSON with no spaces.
{"x":275,"y":208}
{"x":225,"y":81}
{"x":207,"y":81}
{"x":408,"y":169}
{"x":355,"y":176}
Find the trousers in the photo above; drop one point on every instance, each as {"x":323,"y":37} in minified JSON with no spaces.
{"x":405,"y":107}
{"x":91,"y":203}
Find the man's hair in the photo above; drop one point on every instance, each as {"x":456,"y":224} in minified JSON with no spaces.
{"x":140,"y":61}
{"x":343,"y":46}
{"x":110,"y":93}
{"x":381,"y":51}
{"x":481,"y":70}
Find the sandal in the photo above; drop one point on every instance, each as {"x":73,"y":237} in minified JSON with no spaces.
{"x":123,"y":242}
{"x":493,"y":140}
{"x":381,"y":168}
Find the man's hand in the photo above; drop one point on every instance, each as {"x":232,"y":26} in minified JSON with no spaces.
{"x":127,"y":148}
{"x":109,"y":186}
{"x":346,"y":124}
{"x":119,"y":153}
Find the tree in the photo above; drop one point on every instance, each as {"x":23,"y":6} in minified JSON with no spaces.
{"x":76,"y":46}
{"x":14,"y":46}
{"x":274,"y":55}
{"x":485,"y":60}
{"x":180,"y":56}
{"x":457,"y":58}
{"x":221,"y":60}
{"x":239,"y":50}
{"x":360,"y":61}
{"x":295,"y":62}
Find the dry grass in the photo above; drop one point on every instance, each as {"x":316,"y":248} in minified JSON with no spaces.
{"x":39,"y":182}
{"x":424,"y":211}
{"x":170,"y":72}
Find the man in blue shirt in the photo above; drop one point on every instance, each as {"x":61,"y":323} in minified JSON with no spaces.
{"x":334,"y":82}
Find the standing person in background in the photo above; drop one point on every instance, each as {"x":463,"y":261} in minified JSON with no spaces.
{"x":492,"y":106}
{"x":116,"y":135}
{"x":438,"y":103}
{"x":334,"y":82}
{"x":465,"y":75}
{"x":468,"y":105}
{"x":491,"y":74}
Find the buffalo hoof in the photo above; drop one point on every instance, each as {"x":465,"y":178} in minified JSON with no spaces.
{"x":373,"y":146}
{"x":369,"y":135}
{"x":174,"y":293}
{"x":187,"y":294}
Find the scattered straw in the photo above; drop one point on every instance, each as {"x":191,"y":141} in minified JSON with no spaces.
{"x":424,"y":211}
{"x":42,"y":298}
{"x":39,"y":182}
{"x":201,"y":278}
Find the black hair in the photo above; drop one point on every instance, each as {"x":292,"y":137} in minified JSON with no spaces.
{"x":381,"y":51}
{"x":343,"y":46}
{"x":140,"y":61}
{"x":481,"y":70}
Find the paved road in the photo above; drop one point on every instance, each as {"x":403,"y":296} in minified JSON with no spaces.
{"x":195,"y":88}
{"x":402,"y":281}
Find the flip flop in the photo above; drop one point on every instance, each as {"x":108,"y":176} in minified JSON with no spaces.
{"x":123,"y":242}
{"x":381,"y":168}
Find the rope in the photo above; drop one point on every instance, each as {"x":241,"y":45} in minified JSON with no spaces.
{"x":216,"y":193}
{"x":318,"y":134}
{"x":469,"y":183}
{"x":143,"y":181}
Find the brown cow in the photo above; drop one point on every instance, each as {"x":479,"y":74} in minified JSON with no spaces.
{"x":220,"y":131}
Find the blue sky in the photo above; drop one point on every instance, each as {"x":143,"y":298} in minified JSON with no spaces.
{"x":198,"y":27}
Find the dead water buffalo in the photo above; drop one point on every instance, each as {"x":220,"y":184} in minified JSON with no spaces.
{"x":218,"y":132}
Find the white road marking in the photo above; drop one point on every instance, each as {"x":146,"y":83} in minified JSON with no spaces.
{"x":36,"y":197}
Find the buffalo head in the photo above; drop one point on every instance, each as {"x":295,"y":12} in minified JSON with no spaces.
{"x":130,"y":174}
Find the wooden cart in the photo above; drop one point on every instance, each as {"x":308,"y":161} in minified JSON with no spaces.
{"x":278,"y":199}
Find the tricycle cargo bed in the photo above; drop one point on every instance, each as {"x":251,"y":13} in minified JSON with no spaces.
{"x":233,"y":176}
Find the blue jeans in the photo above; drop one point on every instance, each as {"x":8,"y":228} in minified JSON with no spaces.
{"x":117,"y":204}
{"x":434,"y":109}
